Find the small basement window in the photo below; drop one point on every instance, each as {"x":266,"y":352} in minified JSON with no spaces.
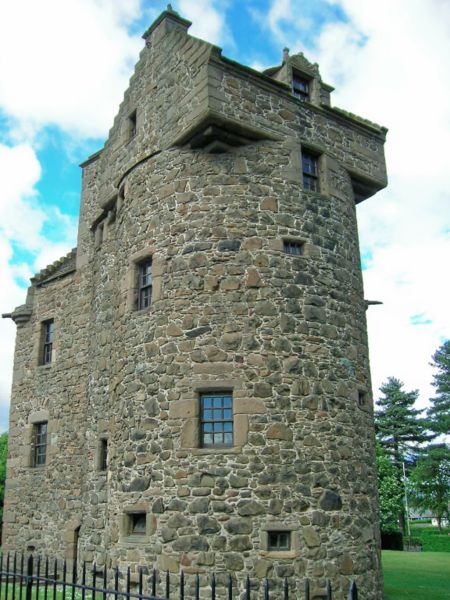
{"x":278,"y":541}
{"x":137,"y":523}
{"x":292,"y":247}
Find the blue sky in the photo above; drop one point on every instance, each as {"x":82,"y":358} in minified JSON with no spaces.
{"x":63,"y":73}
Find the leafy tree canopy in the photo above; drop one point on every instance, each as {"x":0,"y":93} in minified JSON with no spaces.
{"x":429,"y":484}
{"x":390,"y":493}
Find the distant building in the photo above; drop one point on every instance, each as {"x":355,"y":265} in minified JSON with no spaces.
{"x":191,"y":383}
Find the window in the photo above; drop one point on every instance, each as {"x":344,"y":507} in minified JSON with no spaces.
{"x":39,"y":448}
{"x":137,"y":523}
{"x":216,"y":420}
{"x":310,"y":172}
{"x":47,"y":346}
{"x":278,"y":540}
{"x":132,"y":124}
{"x":361,"y":398}
{"x":292,"y":247}
{"x":103,"y":455}
{"x":144,"y":284}
{"x":300,"y":87}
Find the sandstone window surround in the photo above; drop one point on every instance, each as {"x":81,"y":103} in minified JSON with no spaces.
{"x":308,"y":250}
{"x":187,"y":410}
{"x":37,"y":440}
{"x":39,"y":444}
{"x":137,"y":524}
{"x":137,"y":287}
{"x":279,"y":540}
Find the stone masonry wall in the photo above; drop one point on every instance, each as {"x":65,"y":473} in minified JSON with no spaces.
{"x":230,"y":311}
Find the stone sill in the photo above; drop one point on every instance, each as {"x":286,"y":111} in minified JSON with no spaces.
{"x":132,"y":540}
{"x":281,"y":554}
{"x":213,"y":451}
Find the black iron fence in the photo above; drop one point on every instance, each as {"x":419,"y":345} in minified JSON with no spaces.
{"x":36,"y":578}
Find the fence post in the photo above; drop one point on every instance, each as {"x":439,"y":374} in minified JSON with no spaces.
{"x":29,"y":578}
{"x":353,"y":591}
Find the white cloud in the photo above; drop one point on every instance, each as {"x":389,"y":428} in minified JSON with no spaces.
{"x":67,"y":63}
{"x":21,"y":228}
{"x":391,"y":63}
{"x":208,"y":19}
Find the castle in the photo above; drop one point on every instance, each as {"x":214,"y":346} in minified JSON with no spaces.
{"x":191,"y":385}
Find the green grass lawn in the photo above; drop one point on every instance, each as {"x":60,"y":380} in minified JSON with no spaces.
{"x":416,"y":575}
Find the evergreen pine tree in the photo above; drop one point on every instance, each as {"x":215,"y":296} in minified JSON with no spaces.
{"x":400,"y":428}
{"x":439,"y":411}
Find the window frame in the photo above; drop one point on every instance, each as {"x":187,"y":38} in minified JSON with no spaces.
{"x":144,"y":284}
{"x":275,"y":544}
{"x":310,"y":171}
{"x":39,"y":444}
{"x":103,"y":454}
{"x":48,"y":333}
{"x":135,"y":529}
{"x":132,"y":124}
{"x":218,"y":426}
{"x":290,"y":244}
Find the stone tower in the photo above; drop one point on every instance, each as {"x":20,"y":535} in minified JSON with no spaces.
{"x":191,"y":385}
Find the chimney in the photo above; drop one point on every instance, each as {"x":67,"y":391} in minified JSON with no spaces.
{"x":285,"y":55}
{"x":167,"y":21}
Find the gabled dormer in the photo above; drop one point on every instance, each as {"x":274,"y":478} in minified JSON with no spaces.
{"x":303,"y":77}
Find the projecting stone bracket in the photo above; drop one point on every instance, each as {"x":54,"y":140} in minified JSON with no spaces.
{"x":214,"y":133}
{"x":20,"y":315}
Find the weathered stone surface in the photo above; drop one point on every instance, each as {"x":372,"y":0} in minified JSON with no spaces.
{"x":330,"y":501}
{"x":248,"y":508}
{"x":278,"y":431}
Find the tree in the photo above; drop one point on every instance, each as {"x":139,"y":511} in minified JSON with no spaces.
{"x":3,"y":457}
{"x":390,"y":493}
{"x":439,"y":412}
{"x":430,"y":482}
{"x":400,"y":428}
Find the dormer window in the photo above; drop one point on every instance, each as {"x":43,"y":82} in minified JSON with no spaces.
{"x":300,"y":87}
